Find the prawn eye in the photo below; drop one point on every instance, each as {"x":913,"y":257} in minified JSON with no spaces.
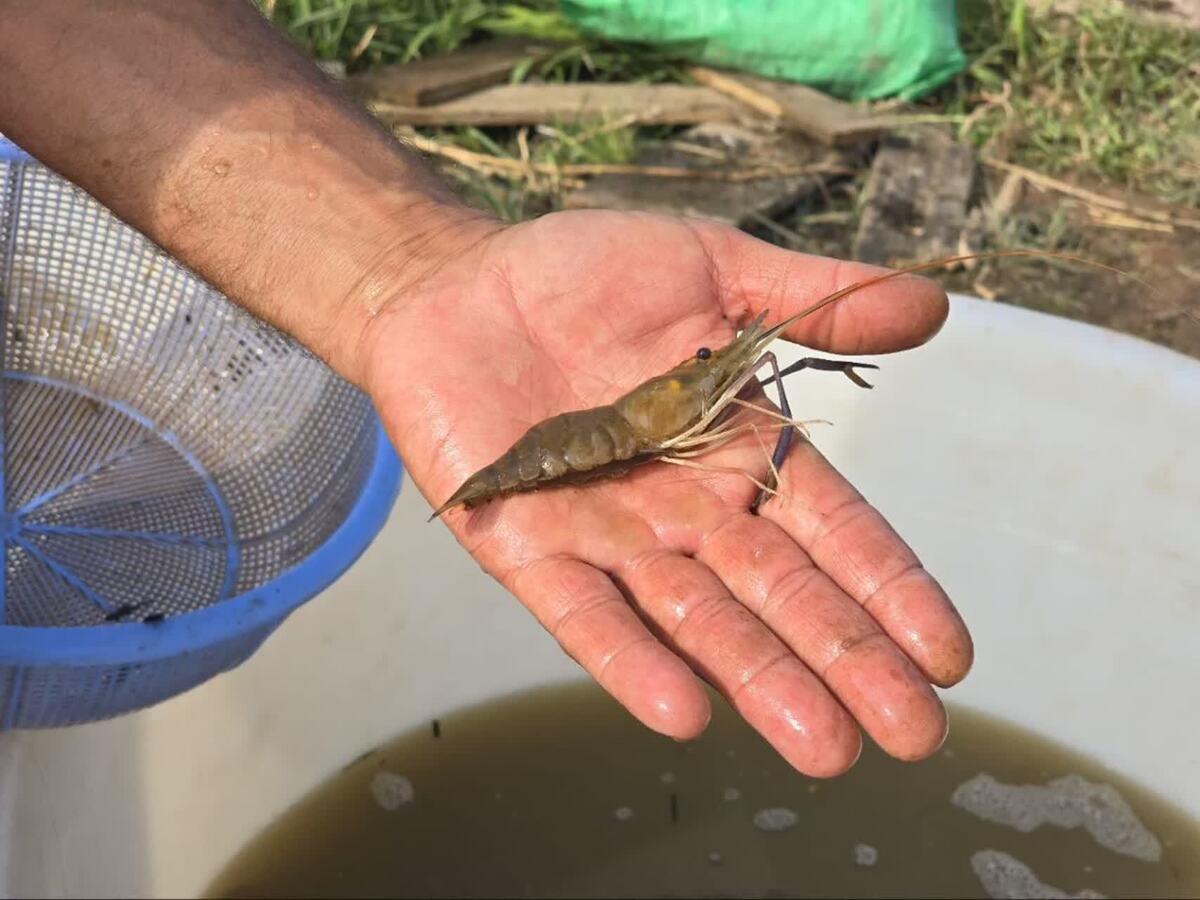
{"x":703,"y":353}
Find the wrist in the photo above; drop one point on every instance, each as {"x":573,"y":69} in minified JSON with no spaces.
{"x":313,"y":226}
{"x":414,"y":239}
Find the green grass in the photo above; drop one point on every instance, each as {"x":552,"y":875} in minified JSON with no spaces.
{"x":1103,"y":95}
{"x":515,"y":198}
{"x":405,"y":30}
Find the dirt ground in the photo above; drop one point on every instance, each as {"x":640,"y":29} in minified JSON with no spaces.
{"x":1165,"y":262}
{"x":1175,"y":12}
{"x":1165,"y":310}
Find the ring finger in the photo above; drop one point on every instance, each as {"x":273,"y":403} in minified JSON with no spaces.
{"x":773,"y":690}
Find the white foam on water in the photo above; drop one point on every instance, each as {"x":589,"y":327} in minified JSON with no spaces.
{"x":667,"y":777}
{"x":865,"y":855}
{"x":1068,"y":802}
{"x":623,"y":813}
{"x":391,"y":791}
{"x":1005,"y":877}
{"x":715,"y":858}
{"x":731,"y":794}
{"x":778,"y":818}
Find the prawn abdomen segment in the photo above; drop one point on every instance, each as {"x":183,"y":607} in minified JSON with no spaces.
{"x":581,"y":441}
{"x":560,"y":448}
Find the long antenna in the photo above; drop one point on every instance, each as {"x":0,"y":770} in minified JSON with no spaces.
{"x":776,"y":330}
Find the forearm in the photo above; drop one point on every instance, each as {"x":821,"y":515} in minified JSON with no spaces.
{"x":199,"y":124}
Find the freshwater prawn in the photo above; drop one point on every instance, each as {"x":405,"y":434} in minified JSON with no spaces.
{"x":682,"y":413}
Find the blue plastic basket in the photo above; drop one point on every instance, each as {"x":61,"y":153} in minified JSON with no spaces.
{"x":177,"y":476}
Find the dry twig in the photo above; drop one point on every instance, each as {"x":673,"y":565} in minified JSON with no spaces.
{"x":364,"y":42}
{"x":1092,"y":198}
{"x":498,"y":165}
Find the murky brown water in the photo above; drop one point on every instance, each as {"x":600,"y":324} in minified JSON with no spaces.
{"x":560,"y":793}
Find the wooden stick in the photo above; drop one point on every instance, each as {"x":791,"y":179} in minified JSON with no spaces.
{"x":439,"y":79}
{"x":795,"y":106}
{"x":517,"y":168}
{"x":364,"y":42}
{"x":743,"y":93}
{"x":1112,"y":219}
{"x":1062,"y":187}
{"x":536,"y":104}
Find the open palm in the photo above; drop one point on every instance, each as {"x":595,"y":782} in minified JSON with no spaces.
{"x":807,"y":616}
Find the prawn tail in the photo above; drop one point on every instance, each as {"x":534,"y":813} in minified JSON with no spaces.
{"x":479,"y":488}
{"x":444,"y":508}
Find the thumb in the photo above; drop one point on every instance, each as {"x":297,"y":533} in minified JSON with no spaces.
{"x":753,"y":275}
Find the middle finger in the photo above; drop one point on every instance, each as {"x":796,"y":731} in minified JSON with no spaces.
{"x":831,"y":633}
{"x":773,"y":690}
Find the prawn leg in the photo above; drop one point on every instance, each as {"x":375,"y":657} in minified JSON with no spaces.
{"x":723,"y":470}
{"x":720,"y":407}
{"x":800,"y":425}
{"x":776,"y":479}
{"x":705,"y":444}
{"x":784,"y":443}
{"x":827,"y":365}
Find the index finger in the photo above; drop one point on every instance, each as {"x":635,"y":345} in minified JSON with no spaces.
{"x":753,"y":275}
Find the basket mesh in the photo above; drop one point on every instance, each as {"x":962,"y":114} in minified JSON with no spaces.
{"x":163,"y":451}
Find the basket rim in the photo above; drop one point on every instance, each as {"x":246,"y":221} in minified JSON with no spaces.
{"x":130,"y":643}
{"x":10,"y":152}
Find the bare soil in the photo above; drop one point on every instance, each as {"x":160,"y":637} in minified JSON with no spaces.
{"x":1165,"y":310}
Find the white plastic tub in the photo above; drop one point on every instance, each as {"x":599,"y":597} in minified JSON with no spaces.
{"x":1047,"y":472}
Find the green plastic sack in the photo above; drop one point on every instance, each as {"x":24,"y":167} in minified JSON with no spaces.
{"x":857,"y":49}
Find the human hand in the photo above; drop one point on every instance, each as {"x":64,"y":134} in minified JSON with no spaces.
{"x":266,"y":181}
{"x":808,"y":616}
